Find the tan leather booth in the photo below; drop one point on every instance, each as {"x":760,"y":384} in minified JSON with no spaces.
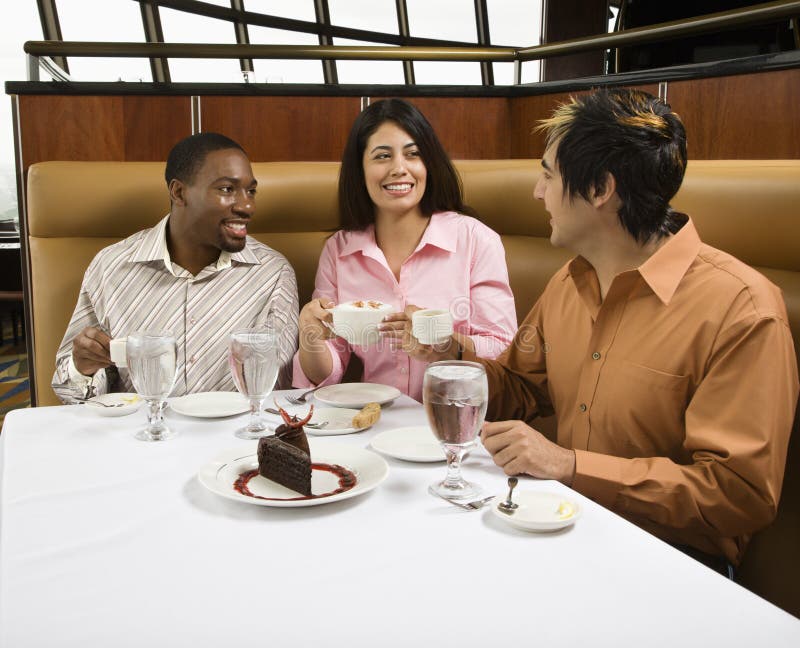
{"x":745,"y":207}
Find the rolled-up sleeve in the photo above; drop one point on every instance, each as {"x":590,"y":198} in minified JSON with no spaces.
{"x":493,"y":317}
{"x":280,"y":314}
{"x":325,"y":285}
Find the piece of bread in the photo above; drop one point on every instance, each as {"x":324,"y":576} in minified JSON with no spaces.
{"x":368,"y":415}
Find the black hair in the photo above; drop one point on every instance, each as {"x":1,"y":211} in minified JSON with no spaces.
{"x":633,"y":136}
{"x":443,"y":190}
{"x":188,"y":155}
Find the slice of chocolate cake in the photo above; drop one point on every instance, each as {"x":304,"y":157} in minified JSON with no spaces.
{"x":285,"y":464}
{"x":294,"y":435}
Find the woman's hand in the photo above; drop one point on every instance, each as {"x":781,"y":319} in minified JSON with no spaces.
{"x":315,"y":322}
{"x":315,"y":359}
{"x":396,"y":328}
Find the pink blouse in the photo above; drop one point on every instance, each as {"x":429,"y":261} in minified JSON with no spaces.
{"x":459,"y":264}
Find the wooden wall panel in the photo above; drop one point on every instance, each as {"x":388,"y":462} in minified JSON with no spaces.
{"x":470,"y":128}
{"x":750,"y":116}
{"x":153,"y":125}
{"x":282,"y":128}
{"x":526,"y":113}
{"x":71,"y":128}
{"x":101,"y":127}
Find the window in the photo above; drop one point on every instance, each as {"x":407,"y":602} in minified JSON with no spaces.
{"x":101,"y":20}
{"x":284,"y":70}
{"x":515,"y":23}
{"x":182,"y":27}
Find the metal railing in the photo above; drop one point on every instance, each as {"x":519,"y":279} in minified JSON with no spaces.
{"x":721,"y":21}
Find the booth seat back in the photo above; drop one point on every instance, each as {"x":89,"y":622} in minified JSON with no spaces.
{"x":745,"y":207}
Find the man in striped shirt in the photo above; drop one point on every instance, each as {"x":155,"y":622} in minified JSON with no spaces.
{"x":196,"y":274}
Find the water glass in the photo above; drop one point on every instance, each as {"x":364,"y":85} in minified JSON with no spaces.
{"x":455,"y":395}
{"x":152,"y":364}
{"x":254,"y":364}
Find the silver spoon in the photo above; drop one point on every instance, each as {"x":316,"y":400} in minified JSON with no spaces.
{"x":86,"y":401}
{"x":508,"y":506}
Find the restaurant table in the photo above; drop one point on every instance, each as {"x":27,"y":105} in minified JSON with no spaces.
{"x":110,"y":541}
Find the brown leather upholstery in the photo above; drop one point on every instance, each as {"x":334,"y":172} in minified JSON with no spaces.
{"x":746,"y":207}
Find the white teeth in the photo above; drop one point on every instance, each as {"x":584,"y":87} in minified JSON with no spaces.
{"x":239,"y":227}
{"x":398,"y":187}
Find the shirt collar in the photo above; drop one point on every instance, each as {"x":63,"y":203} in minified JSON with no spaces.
{"x":153,"y":247}
{"x":364,"y":240}
{"x":662,"y":272}
{"x":665,"y":269}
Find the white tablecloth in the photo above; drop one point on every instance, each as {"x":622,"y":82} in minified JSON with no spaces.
{"x":109,"y":541}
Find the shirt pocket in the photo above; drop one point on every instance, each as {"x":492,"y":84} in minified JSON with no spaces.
{"x":642,"y":410}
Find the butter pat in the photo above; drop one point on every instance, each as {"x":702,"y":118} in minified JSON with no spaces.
{"x":565,"y":510}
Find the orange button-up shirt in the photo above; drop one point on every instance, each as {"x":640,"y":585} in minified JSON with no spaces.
{"x":677,"y":391}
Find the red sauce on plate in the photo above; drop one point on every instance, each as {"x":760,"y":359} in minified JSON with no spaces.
{"x":347,"y":480}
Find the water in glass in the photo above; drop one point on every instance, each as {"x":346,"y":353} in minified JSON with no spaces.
{"x":152,"y":364}
{"x":455,"y":395}
{"x":254,"y":365}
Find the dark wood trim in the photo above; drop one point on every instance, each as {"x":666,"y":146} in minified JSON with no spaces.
{"x":749,"y":65}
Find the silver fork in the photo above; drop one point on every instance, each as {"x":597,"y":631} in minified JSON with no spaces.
{"x":301,"y":399}
{"x":315,"y":426}
{"x":470,"y":506}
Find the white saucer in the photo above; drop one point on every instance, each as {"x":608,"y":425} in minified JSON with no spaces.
{"x":339,"y":419}
{"x":409,"y":444}
{"x":131,"y":403}
{"x":356,"y":394}
{"x":210,"y":404}
{"x":538,"y":511}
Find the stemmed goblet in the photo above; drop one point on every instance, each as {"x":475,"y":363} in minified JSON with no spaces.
{"x":455,"y":395}
{"x":253,"y":359}
{"x":152,"y":364}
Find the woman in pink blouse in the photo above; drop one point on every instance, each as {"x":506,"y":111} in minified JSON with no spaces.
{"x":404,"y":241}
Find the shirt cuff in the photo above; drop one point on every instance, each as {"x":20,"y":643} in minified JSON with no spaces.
{"x":299,"y":379}
{"x":87,"y":386}
{"x":598,"y":477}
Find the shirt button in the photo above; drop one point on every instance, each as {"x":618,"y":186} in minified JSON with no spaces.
{"x":582,"y":407}
{"x":193,"y":321}
{"x":595,"y":355}
{"x":192,"y":359}
{"x":402,"y":370}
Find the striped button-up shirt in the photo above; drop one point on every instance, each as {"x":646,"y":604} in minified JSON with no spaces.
{"x":133,"y":285}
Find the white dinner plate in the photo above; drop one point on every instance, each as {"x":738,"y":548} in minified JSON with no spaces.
{"x":220,"y":474}
{"x":127,"y":403}
{"x":339,"y":421}
{"x":539,"y":511}
{"x":409,"y":444}
{"x":356,"y":394}
{"x":210,"y":404}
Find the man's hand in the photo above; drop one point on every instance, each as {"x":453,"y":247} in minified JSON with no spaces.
{"x":519,"y":449}
{"x":90,"y":351}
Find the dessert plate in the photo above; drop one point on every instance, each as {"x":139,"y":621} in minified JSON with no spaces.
{"x":370,"y":469}
{"x":210,"y":404}
{"x":356,"y":394}
{"x":409,"y":444}
{"x":539,"y":511}
{"x":123,"y":403}
{"x":339,"y":421}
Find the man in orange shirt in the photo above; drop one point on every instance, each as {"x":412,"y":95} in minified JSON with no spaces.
{"x":669,"y":364}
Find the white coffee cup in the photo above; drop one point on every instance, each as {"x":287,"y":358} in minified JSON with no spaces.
{"x":357,"y":321}
{"x":118,"y":351}
{"x":432,"y":325}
